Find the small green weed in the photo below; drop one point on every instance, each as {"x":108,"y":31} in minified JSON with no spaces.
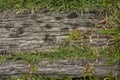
{"x":3,"y":58}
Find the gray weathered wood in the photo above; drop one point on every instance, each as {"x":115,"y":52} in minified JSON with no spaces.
{"x":69,"y":68}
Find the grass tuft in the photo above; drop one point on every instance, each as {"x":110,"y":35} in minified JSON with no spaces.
{"x":58,"y":5}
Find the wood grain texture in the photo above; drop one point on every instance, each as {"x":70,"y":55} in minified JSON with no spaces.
{"x":35,"y":32}
{"x":57,"y":69}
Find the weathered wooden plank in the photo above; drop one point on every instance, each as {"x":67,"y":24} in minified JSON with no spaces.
{"x":69,"y":68}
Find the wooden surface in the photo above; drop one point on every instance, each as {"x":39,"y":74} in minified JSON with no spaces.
{"x":69,"y":68}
